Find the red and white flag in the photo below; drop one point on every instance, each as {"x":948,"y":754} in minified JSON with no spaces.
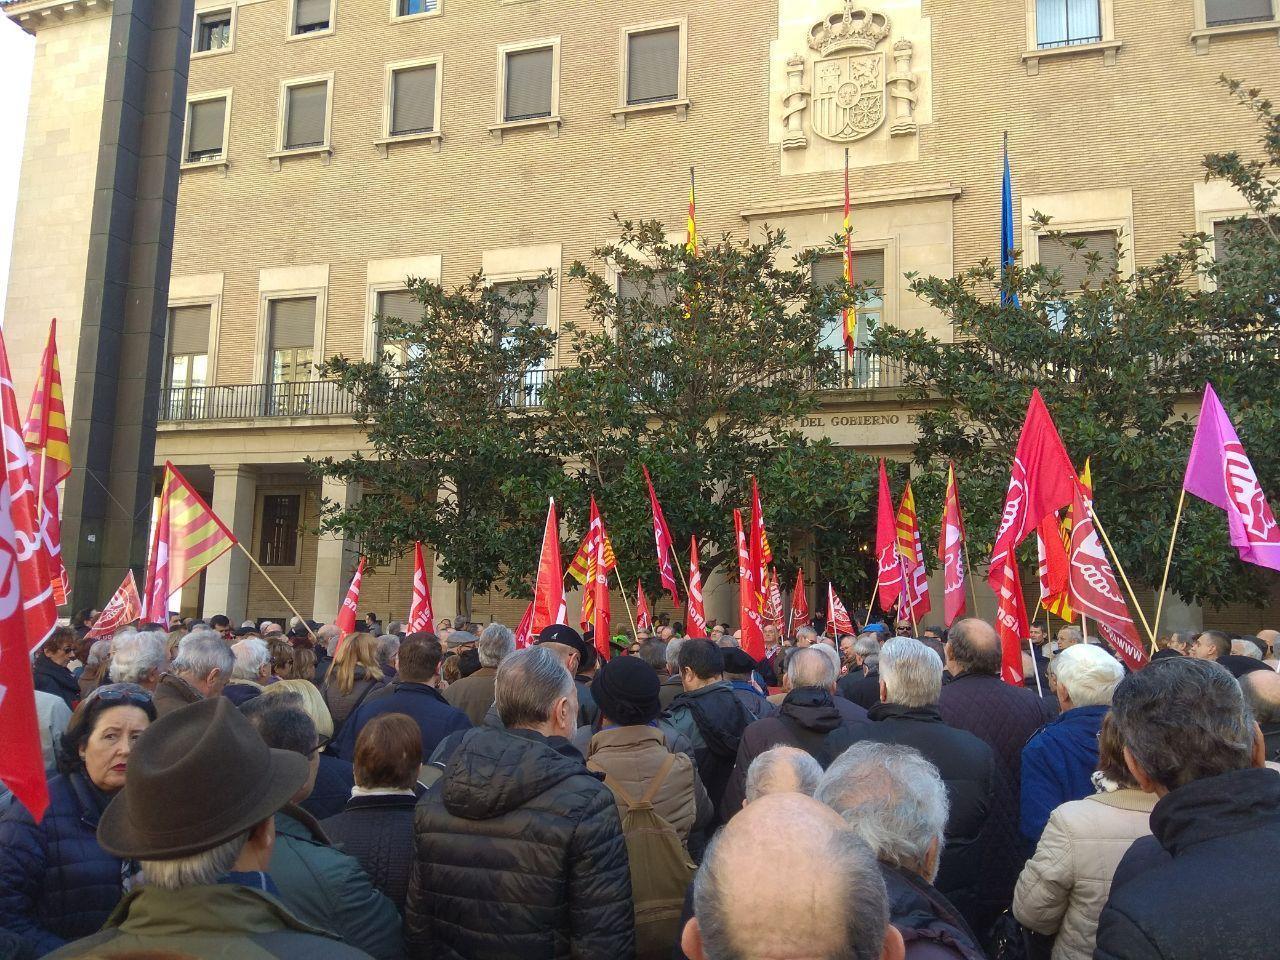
{"x":838,"y":620}
{"x":750,"y":618}
{"x":800,"y":615}
{"x":124,"y":607}
{"x":951,"y":552}
{"x":346,"y":621}
{"x":761,"y":552}
{"x":888,"y":564}
{"x":422,"y":618}
{"x":915,"y":577}
{"x":524,"y":631}
{"x":1051,"y":556}
{"x":662,"y":542}
{"x":602,"y":564}
{"x":1011,"y":620}
{"x":548,"y":589}
{"x":774,"y":601}
{"x":644,"y":616}
{"x":696,"y":627}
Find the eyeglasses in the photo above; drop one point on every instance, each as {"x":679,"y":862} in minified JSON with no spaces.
{"x":68,"y":649}
{"x":321,"y":743}
{"x":115,"y":694}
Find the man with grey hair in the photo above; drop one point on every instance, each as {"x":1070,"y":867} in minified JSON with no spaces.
{"x":518,"y":846}
{"x":199,"y":671}
{"x":862,"y":683}
{"x":782,"y":770}
{"x":672,"y":686}
{"x":251,"y":672}
{"x":473,"y":694}
{"x":806,"y":637}
{"x":326,"y":648}
{"x":138,"y":657}
{"x":910,"y":682}
{"x":894,"y":799}
{"x":1068,"y":637}
{"x":825,"y":896}
{"x":1058,"y":762}
{"x":386,"y":650}
{"x":809,"y":714}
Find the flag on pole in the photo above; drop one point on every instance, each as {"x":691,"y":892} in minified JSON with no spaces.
{"x":596,"y":548}
{"x":1041,"y":481}
{"x":188,"y":537}
{"x":422,"y":618}
{"x":662,"y":541}
{"x":602,"y":563}
{"x":1007,"y":242}
{"x":775,"y":600}
{"x":800,"y":615}
{"x":838,"y":620}
{"x":848,"y":316}
{"x":1220,"y":472}
{"x":696,"y":625}
{"x":346,"y":621}
{"x":761,"y":553}
{"x":124,"y":607}
{"x":911,"y":550}
{"x":691,"y":227}
{"x":51,"y":544}
{"x":1011,"y":619}
{"x":524,"y":631}
{"x":548,"y":589}
{"x":46,"y":428}
{"x":1051,"y":557}
{"x":644,"y":616}
{"x":750,"y":619}
{"x":951,"y":552}
{"x":889,"y":575}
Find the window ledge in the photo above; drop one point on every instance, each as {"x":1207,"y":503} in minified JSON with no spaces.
{"x":220,"y":163}
{"x":219,"y":52}
{"x":1108,"y":49}
{"x":680,"y":107}
{"x":1200,"y":38}
{"x":310,"y":34}
{"x":325,"y":152}
{"x":384,"y":145}
{"x":410,"y":17}
{"x":552,"y":123}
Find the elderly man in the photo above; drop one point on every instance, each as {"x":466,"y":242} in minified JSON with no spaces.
{"x":806,"y":637}
{"x":1189,"y":739}
{"x":519,"y":847}
{"x":579,"y":658}
{"x":251,"y":672}
{"x":910,"y":683}
{"x":200,"y":671}
{"x":1262,"y":691}
{"x":770,"y":665}
{"x":782,"y":770}
{"x":1058,"y":762}
{"x":862,"y":683}
{"x":139,"y":657}
{"x":1068,"y":637}
{"x":1269,"y":639}
{"x":824,"y":896}
{"x":895,"y":800}
{"x":326,"y":647}
{"x":808,"y":716}
{"x":672,"y":686}
{"x":473,"y":694}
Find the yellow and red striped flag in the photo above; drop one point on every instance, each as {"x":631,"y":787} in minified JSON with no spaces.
{"x":1060,"y":603}
{"x":849,"y":317}
{"x":188,"y":537}
{"x":691,"y":227}
{"x":915,"y":597}
{"x":46,"y":433}
{"x":587,"y":561}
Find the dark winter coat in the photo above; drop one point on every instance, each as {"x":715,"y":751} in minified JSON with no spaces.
{"x":422,"y":703}
{"x":670,"y":688}
{"x":930,"y":925}
{"x":241,"y":691}
{"x":807,"y":718}
{"x":56,"y":679}
{"x":329,"y":796}
{"x":1057,"y":766}
{"x":342,"y":705}
{"x":864,"y":690}
{"x":518,"y":853}
{"x":757,"y":705}
{"x":378,"y":831}
{"x":473,"y":694}
{"x":588,"y":709}
{"x":712,"y":718}
{"x":56,"y":883}
{"x":967,"y":767}
{"x":173,"y":693}
{"x":1219,"y":838}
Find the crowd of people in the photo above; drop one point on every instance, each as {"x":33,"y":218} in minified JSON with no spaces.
{"x":283,"y":790}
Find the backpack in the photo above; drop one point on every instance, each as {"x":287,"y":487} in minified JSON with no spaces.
{"x":661,"y":870}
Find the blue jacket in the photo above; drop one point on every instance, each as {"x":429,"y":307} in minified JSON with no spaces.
{"x":1058,"y":764}
{"x":56,"y":883}
{"x":424,"y":704}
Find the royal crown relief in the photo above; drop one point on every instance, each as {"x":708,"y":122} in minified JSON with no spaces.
{"x":852,"y":91}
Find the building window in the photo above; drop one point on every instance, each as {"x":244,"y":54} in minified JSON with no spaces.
{"x":206,"y":130}
{"x":653,"y":65}
{"x":862,"y":367}
{"x":415,"y":8}
{"x":306,"y":115}
{"x":311,"y":16}
{"x":1083,"y":257}
{"x":529,"y":393}
{"x":403,"y":306}
{"x":413,"y":100}
{"x":528,"y":84}
{"x":213,"y":31}
{"x":187,"y":360}
{"x":281,"y":521}
{"x":1225,"y":13}
{"x":1064,"y":23}
{"x":290,"y":352}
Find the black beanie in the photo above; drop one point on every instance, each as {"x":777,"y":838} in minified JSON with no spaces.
{"x":626,"y":690}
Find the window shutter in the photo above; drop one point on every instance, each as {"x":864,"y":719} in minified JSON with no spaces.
{"x":653,"y":66}
{"x":541,"y":308}
{"x":304,"y":119}
{"x":310,"y":13}
{"x":828,"y":270}
{"x":1226,"y":233}
{"x":400,"y":304}
{"x":413,"y":100}
{"x":528,"y":92}
{"x":1220,"y":12}
{"x":1060,"y":253}
{"x":207,"y":122}
{"x":293,"y":323}
{"x":868,"y":268}
{"x":189,"y":330}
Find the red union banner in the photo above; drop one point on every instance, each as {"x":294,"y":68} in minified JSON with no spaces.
{"x":124,"y":607}
{"x":421,"y":615}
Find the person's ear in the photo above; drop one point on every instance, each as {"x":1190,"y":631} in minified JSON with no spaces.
{"x":1258,"y":755}
{"x":575,"y":661}
{"x":884,"y":692}
{"x":691,"y":940}
{"x":1144,"y":780}
{"x":931,"y":859}
{"x":894,"y":948}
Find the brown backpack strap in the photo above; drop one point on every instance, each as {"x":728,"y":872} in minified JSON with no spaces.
{"x":659,"y":779}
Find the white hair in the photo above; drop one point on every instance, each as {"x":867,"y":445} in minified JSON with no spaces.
{"x":496,"y":643}
{"x":782,"y":770}
{"x":1246,"y":648}
{"x":911,"y":671}
{"x":672,"y":654}
{"x":100,"y":651}
{"x":330,"y":636}
{"x":808,"y":632}
{"x":252,"y":654}
{"x":196,"y":870}
{"x":1089,"y":674}
{"x":134,"y":655}
{"x":1072,"y":633}
{"x":892,"y":797}
{"x":201,"y":652}
{"x":810,"y":667}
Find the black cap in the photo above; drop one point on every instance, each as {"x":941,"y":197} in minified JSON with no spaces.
{"x":737,"y":660}
{"x":564,"y":634}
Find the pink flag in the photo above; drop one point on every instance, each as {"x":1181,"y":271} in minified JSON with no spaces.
{"x":951,"y":552}
{"x":421,"y":616}
{"x":124,"y":607}
{"x":1219,"y":472}
{"x":888,"y":563}
{"x":346,"y":622}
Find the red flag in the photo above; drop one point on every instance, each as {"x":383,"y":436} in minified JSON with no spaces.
{"x":601,"y":562}
{"x":1094,"y":591}
{"x":748,"y":596}
{"x":51,"y":544}
{"x":596,"y":548}
{"x":914,"y":575}
{"x":800,"y":616}
{"x":46,"y":428}
{"x":188,"y":537}
{"x":1052,"y":561}
{"x":524,"y":632}
{"x":889,"y":575}
{"x":1041,"y":481}
{"x":838,"y":619}
{"x":422,"y":618}
{"x":951,"y":552}
{"x":662,"y":540}
{"x":696,"y":625}
{"x":774,"y":601}
{"x":548,"y":590}
{"x":346,"y":622}
{"x":1011,"y":620}
{"x":644,"y":617}
{"x":124,"y":607}
{"x":760,"y":552}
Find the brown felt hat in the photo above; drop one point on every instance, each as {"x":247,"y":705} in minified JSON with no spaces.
{"x":196,"y":778}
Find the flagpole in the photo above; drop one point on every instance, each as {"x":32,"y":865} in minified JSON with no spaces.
{"x":266,"y":576}
{"x":1032,"y":650}
{"x":1151,"y":637}
{"x":1168,"y":560}
{"x":44,"y":461}
{"x":968,"y":570}
{"x":625,"y":602}
{"x":676,"y":560}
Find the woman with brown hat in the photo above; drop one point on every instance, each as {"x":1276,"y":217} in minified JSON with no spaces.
{"x":56,"y":882}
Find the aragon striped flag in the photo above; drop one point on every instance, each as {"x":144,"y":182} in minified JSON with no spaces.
{"x":187,"y":538}
{"x":45,"y":433}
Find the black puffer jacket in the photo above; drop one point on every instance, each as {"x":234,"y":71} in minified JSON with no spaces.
{"x":378,"y":831}
{"x":519,"y":853}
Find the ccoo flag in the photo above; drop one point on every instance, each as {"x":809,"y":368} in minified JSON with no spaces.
{"x":889,"y":567}
{"x":124,"y":607}
{"x":800,"y":615}
{"x":644,"y":616}
{"x":421,"y":615}
{"x":346,"y":621}
{"x":749,"y":616}
{"x":838,"y":620}
{"x":951,"y":552}
{"x":696,"y":627}
{"x":662,"y":541}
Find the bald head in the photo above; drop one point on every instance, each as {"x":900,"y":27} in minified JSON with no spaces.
{"x":825,"y":897}
{"x":1269,"y":637}
{"x":1262,"y":691}
{"x":973,"y":647}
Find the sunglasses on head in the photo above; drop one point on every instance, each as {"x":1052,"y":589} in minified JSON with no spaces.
{"x":109,"y":694}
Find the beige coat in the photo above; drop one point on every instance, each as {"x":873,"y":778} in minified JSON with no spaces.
{"x":473,"y":695}
{"x":1065,"y":885}
{"x":632,"y":756}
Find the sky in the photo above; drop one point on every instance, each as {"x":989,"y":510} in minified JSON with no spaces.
{"x":17,"y":50}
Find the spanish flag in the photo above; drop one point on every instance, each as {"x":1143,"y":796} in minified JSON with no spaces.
{"x":45,"y":433}
{"x":850,"y":317}
{"x":691,"y":227}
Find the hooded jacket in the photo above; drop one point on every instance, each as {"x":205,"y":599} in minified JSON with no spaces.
{"x":1058,"y":764}
{"x":712,"y":718}
{"x":517,"y":828}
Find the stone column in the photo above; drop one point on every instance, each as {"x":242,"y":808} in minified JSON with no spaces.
{"x":444,"y":593}
{"x":335,"y":556}
{"x":226,"y":584}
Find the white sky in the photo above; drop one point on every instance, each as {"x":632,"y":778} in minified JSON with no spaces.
{"x":17,"y":50}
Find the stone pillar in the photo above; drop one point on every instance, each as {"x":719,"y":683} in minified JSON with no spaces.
{"x":226,"y":585}
{"x":335,"y":556}
{"x":444,"y":593}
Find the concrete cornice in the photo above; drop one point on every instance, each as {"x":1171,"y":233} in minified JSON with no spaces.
{"x":867,"y":198}
{"x":34,"y":15}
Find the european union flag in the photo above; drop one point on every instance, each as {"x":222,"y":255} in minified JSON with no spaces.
{"x":1007,"y":296}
